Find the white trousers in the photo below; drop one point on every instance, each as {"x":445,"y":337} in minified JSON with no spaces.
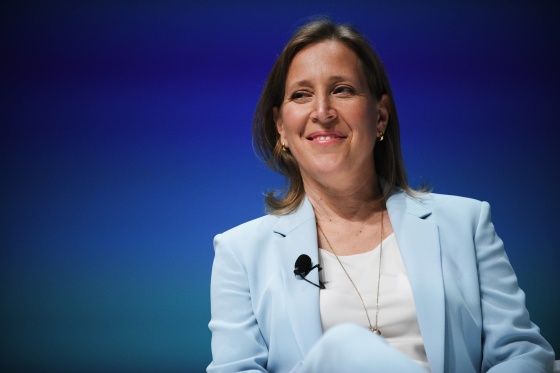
{"x":352,"y":348}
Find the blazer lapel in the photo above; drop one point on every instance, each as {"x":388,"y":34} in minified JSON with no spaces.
{"x":418,"y":240}
{"x":298,"y":235}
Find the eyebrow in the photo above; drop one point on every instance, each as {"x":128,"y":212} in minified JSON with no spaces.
{"x":303,"y":82}
{"x":306,"y":82}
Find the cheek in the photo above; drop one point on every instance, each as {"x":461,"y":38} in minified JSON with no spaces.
{"x":293,"y":122}
{"x":368,"y":120}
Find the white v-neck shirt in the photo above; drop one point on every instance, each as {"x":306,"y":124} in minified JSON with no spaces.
{"x":339,"y":301}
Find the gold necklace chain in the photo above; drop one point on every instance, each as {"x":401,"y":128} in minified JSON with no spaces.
{"x":372,"y":328}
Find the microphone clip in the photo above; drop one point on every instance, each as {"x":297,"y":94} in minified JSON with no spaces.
{"x":303,"y":266}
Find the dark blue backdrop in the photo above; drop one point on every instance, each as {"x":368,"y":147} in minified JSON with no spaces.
{"x":125,"y":146}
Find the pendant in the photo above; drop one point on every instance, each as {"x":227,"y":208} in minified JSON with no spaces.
{"x":375,"y":330}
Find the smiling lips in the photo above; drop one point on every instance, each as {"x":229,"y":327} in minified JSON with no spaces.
{"x":326,"y":137}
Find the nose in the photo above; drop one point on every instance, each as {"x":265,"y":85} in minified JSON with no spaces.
{"x":323,"y":111}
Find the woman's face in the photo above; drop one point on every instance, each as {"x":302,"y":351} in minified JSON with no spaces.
{"x":329,"y":119}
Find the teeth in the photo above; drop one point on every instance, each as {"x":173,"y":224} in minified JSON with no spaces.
{"x":324,"y":138}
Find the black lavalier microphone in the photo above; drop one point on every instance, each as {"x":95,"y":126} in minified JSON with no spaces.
{"x":303,"y":267}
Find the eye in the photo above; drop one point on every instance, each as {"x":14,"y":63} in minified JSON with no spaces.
{"x":300,"y":96}
{"x":344,"y":90}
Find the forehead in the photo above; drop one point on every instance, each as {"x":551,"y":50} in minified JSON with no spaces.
{"x":325,"y":57}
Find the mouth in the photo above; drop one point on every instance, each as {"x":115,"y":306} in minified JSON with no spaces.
{"x":325,"y":136}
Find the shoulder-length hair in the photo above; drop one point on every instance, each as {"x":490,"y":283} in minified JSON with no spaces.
{"x":389,"y":163}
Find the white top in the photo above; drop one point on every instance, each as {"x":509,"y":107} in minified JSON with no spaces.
{"x":397,"y":319}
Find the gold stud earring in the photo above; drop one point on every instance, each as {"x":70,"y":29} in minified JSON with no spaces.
{"x":380,"y":138}
{"x":284,"y":149}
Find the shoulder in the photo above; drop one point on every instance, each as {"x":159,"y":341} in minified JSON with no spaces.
{"x":451,"y":203}
{"x":459,"y":213}
{"x":259,"y":231}
{"x":445,"y":209}
{"x":454,"y":210}
{"x":249,"y":231}
{"x":434,"y":202}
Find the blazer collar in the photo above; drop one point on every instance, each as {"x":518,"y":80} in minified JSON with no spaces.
{"x":298,"y":232}
{"x":290,"y":222}
{"x":418,"y":240}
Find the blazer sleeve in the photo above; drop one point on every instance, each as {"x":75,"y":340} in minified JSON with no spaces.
{"x":511,"y":342}
{"x":237,"y":344}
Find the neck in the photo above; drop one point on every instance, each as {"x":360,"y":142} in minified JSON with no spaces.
{"x":355,"y":202}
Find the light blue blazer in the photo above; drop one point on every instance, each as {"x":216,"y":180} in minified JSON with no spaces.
{"x":471,"y":312}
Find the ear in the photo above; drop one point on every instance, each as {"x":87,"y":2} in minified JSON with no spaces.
{"x":383,"y":113}
{"x":279,"y":124}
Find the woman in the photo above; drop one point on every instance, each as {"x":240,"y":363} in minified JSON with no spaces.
{"x":410,"y":281}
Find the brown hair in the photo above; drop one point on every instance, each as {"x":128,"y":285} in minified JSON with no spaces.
{"x":389,"y":163}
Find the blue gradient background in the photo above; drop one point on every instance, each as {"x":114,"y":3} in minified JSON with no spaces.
{"x":125,"y":147}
